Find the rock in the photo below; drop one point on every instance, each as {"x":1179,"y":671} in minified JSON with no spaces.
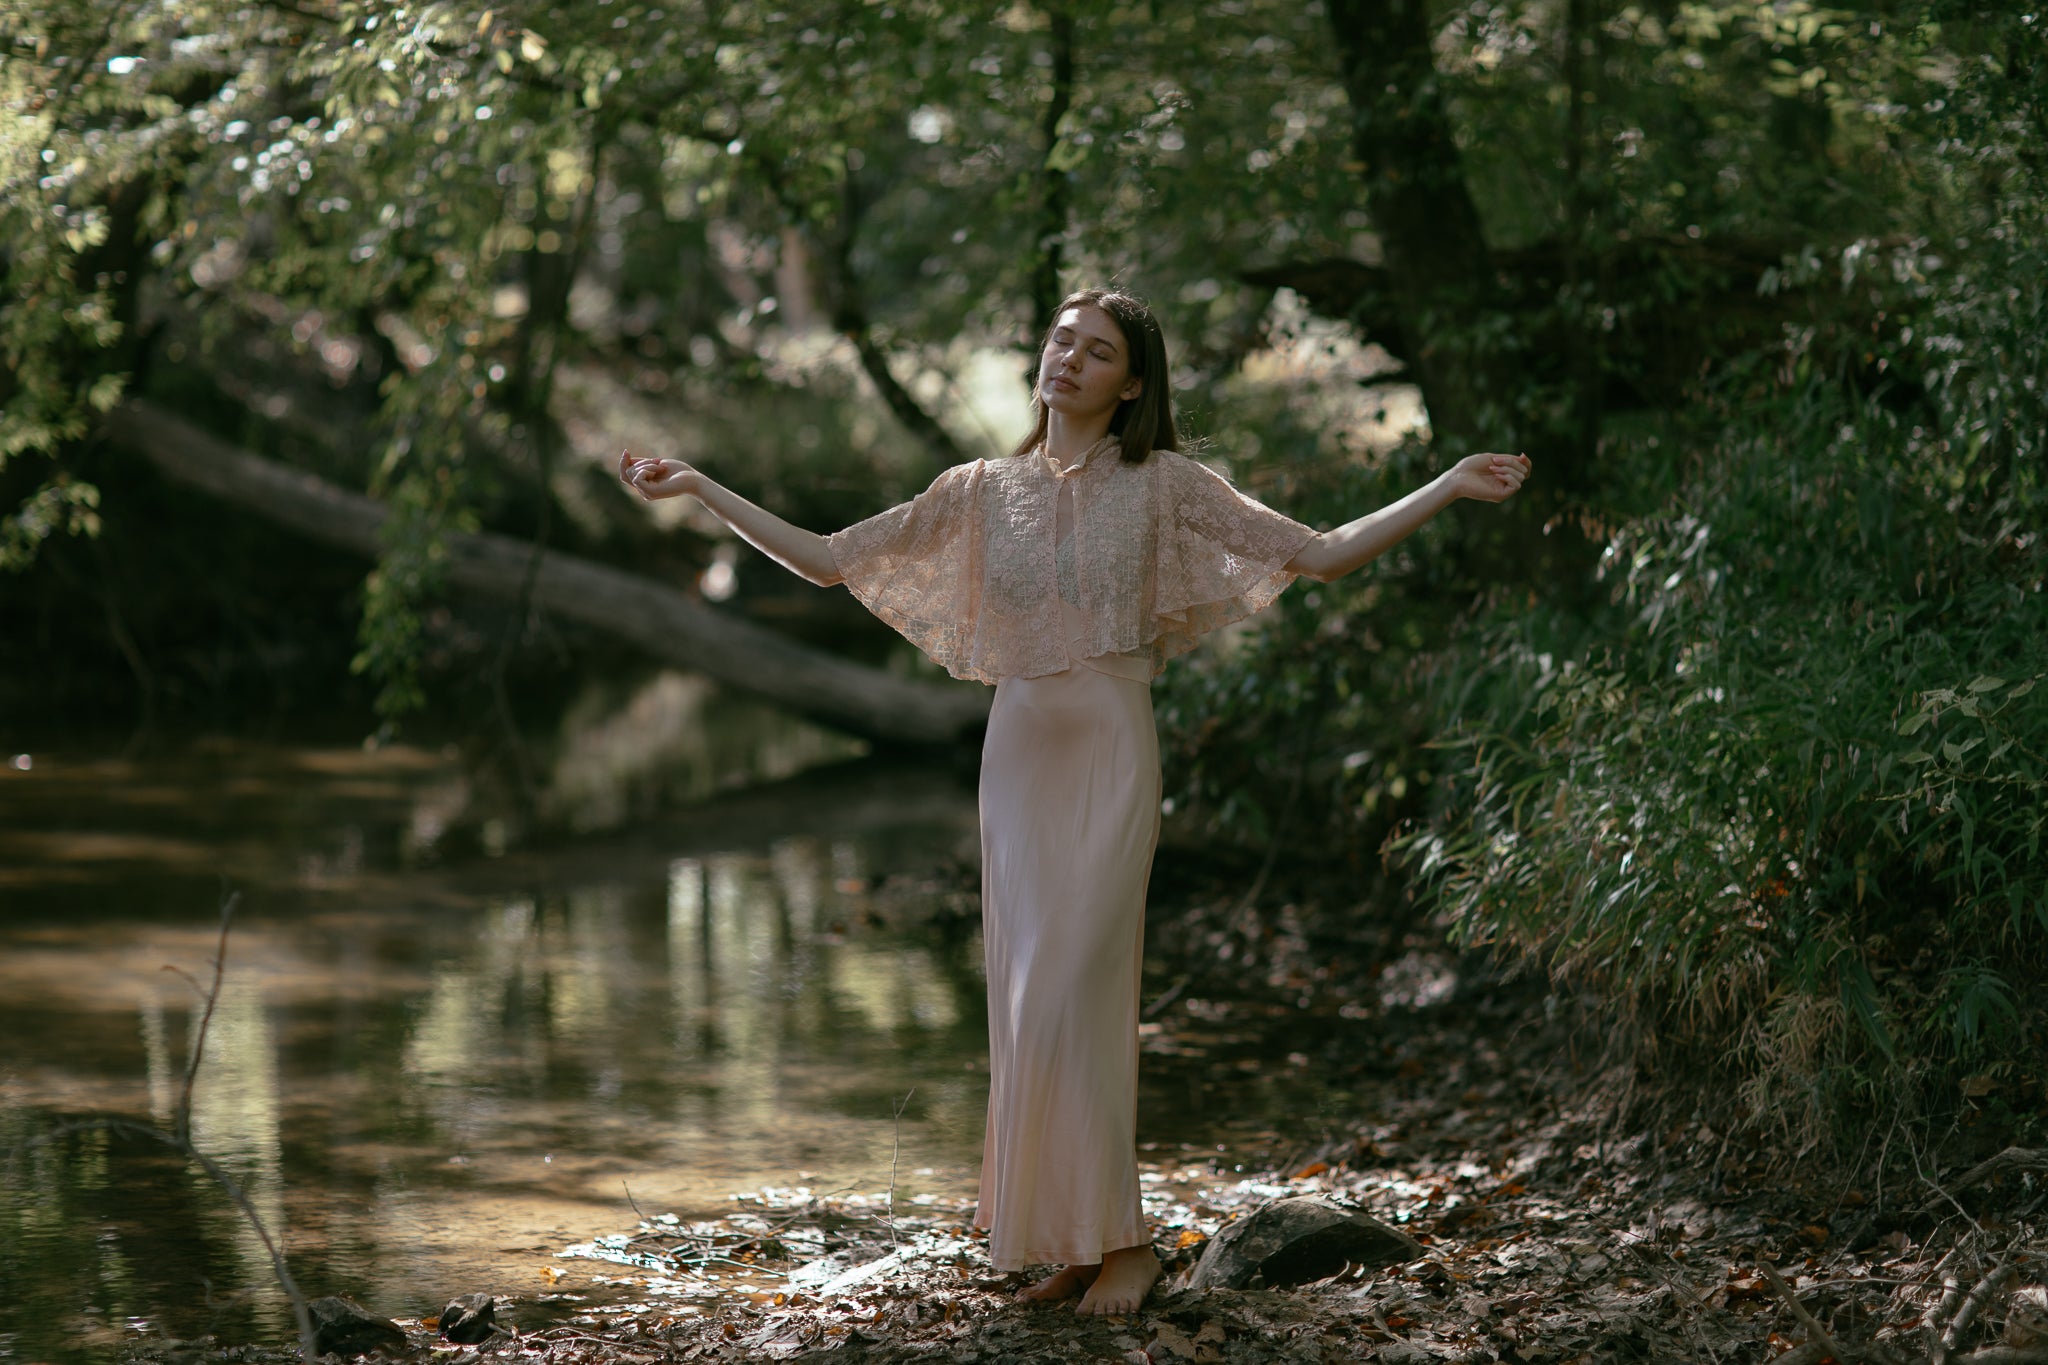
{"x":342,"y":1328}
{"x":1293,"y":1241}
{"x":469,"y":1319}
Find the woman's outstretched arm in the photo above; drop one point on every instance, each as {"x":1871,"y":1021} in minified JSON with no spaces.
{"x":1489,"y":478}
{"x":804,"y":553}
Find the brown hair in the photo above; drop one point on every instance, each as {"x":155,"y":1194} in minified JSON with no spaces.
{"x":1142,"y":424}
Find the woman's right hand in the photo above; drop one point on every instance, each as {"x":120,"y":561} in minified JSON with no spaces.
{"x":653,"y":478}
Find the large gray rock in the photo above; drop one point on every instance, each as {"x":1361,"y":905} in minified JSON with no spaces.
{"x":1293,"y":1241}
{"x":341,"y":1328}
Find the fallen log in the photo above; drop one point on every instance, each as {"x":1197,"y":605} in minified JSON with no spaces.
{"x":666,"y":623}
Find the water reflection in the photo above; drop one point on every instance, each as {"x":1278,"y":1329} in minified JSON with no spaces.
{"x":432,"y":1081}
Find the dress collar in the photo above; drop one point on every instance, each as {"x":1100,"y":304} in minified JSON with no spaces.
{"x":1105,"y":447}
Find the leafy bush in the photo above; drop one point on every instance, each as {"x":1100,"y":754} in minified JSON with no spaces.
{"x":1776,"y":787}
{"x":1305,"y":731}
{"x":1787,"y":797}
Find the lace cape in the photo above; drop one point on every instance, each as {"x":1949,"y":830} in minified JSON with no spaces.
{"x":1162,"y":553}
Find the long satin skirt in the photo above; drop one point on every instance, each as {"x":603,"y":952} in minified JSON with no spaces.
{"x":1069,"y":821}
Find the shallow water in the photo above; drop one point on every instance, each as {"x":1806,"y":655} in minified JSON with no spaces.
{"x":429,"y":1081}
{"x":431,"y":1078}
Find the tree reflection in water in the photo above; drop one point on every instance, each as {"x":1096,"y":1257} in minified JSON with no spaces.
{"x":432,"y":1081}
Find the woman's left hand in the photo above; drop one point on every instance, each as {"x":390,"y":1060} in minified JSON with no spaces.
{"x":1489,"y":477}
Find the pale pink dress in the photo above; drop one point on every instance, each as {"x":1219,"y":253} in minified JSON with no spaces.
{"x":1069,"y":590}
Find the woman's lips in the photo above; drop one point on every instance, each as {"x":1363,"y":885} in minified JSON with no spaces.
{"x":1062,"y":383}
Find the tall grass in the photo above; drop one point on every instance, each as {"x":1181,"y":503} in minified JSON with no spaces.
{"x":1785,"y":799}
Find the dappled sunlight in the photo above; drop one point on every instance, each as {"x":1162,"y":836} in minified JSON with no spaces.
{"x":1349,"y":387}
{"x":674,"y":738}
{"x":420,"y":1089}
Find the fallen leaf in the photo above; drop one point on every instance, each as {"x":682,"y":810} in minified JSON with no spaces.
{"x":1313,"y":1168}
{"x":1170,"y":1342}
{"x":1188,"y":1237}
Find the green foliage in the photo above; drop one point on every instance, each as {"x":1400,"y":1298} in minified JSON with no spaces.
{"x":1775,"y":771}
{"x":1787,"y":794}
{"x":1804,"y":753}
{"x":1775,"y":781}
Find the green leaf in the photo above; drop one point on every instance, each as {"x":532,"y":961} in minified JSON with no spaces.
{"x":106,"y":392}
{"x":1987,"y":683}
{"x":1859,"y":993}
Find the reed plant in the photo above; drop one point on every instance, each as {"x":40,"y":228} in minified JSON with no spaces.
{"x":1783,"y":799}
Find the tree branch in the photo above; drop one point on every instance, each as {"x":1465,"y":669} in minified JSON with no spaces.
{"x":1436,"y":253}
{"x":849,"y":315}
{"x":1053,"y":182}
{"x":666,"y":623}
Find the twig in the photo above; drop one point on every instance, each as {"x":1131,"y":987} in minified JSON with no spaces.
{"x":770,"y":1231}
{"x":1683,"y":1293}
{"x":1982,"y":1295}
{"x":2011,"y":1159}
{"x":631,"y":1200}
{"x":183,"y":1116}
{"x":1951,"y":1295}
{"x":234,"y":1192}
{"x":1172,"y":994}
{"x":1928,"y":1181}
{"x":1814,"y":1330}
{"x":180,"y":1140}
{"x":895,"y":1151}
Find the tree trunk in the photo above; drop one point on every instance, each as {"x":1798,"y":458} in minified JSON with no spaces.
{"x":1053,"y":180}
{"x":666,"y":623}
{"x":1436,"y":254}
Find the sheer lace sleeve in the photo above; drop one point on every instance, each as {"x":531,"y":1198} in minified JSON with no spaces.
{"x":1219,"y":555}
{"x":918,"y":567}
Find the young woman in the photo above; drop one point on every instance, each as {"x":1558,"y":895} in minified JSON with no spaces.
{"x":1066,"y":574}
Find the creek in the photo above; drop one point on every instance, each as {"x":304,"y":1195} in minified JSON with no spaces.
{"x":433,"y":1070}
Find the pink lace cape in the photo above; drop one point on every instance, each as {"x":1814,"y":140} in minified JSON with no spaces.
{"x":1163,"y":553}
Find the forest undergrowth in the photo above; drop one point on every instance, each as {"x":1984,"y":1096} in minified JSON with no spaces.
{"x":1569,"y":1207}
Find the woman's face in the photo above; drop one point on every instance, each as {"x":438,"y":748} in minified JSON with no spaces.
{"x":1085,"y":370}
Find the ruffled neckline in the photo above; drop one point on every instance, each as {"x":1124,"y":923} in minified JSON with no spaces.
{"x":1106,"y":445}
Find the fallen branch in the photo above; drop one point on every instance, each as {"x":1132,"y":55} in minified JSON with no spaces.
{"x":666,"y":623}
{"x":212,"y":997}
{"x":1986,"y":1289}
{"x":2011,"y":1159}
{"x":180,"y":1140}
{"x":1814,"y":1331}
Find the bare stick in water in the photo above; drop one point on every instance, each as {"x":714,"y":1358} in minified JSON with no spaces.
{"x":895,"y":1151}
{"x":228,"y":902}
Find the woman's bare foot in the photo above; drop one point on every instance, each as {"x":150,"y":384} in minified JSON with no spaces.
{"x":1061,"y":1284}
{"x":1126,"y":1277}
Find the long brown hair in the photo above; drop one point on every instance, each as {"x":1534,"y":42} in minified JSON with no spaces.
{"x":1142,"y":424}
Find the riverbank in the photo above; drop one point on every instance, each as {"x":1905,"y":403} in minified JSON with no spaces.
{"x":641,"y":997}
{"x":1549,"y":1233}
